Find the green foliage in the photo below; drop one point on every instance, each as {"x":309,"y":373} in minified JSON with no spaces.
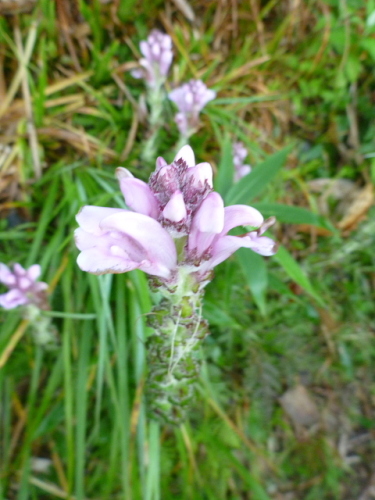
{"x":304,"y":110}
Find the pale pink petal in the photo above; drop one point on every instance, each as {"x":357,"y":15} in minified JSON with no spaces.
{"x":207,"y":223}
{"x":242,"y":171}
{"x":94,"y":261}
{"x":178,"y":97}
{"x":145,"y":49}
{"x":201,"y":173}
{"x":13,"y":298}
{"x":160,"y":163}
{"x":19,"y":270}
{"x":146,"y":232}
{"x":6,"y":275}
{"x":175,"y":209}
{"x":182,"y":123}
{"x":209,"y":95}
{"x":187,"y":155}
{"x":24,"y":283}
{"x":90,"y":216}
{"x":34,"y":272}
{"x":241,"y":215}
{"x":139,"y":197}
{"x":137,"y":73}
{"x":225,"y":246}
{"x":123,"y":173}
{"x":165,"y":62}
{"x":85,"y":240}
{"x":260,"y":244}
{"x":40,"y":286}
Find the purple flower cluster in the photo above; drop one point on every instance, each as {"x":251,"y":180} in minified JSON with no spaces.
{"x":158,"y":55}
{"x":23,"y":287}
{"x":190,"y":99}
{"x":239,"y":155}
{"x":175,"y":223}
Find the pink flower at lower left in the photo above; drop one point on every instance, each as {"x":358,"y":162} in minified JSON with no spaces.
{"x":23,"y":287}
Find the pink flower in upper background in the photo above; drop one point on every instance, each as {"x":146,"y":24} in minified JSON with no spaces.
{"x":23,"y":287}
{"x":190,"y":99}
{"x":239,"y":155}
{"x":158,"y":55}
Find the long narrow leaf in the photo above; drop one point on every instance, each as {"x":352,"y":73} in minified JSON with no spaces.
{"x":253,"y":184}
{"x":292,"y":215}
{"x":296,"y":273}
{"x":255,"y":272}
{"x":224,"y":178}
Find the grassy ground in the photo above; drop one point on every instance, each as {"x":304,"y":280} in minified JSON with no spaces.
{"x":285,"y":408}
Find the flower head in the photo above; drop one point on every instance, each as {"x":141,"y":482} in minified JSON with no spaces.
{"x":177,"y":202}
{"x":158,"y":55}
{"x":190,"y":99}
{"x":173,"y":193}
{"x":239,"y":155}
{"x":23,"y":287}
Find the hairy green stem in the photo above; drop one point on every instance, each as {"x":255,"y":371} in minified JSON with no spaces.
{"x":178,"y":330}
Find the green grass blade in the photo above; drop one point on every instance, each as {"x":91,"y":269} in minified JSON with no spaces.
{"x":296,"y":273}
{"x":255,"y":271}
{"x":293,"y":215}
{"x":253,"y":184}
{"x":224,"y":178}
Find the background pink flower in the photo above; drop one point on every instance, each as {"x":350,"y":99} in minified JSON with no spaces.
{"x":23,"y":287}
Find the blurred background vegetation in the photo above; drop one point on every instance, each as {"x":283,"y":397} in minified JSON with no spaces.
{"x":286,"y":399}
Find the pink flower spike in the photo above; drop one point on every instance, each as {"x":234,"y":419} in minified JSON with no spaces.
{"x":190,"y":99}
{"x":23,"y":287}
{"x":158,"y":56}
{"x":138,"y":196}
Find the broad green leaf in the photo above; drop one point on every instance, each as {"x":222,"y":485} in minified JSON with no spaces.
{"x":253,"y":184}
{"x":292,"y":215}
{"x":224,"y":178}
{"x":255,"y":271}
{"x":296,"y":273}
